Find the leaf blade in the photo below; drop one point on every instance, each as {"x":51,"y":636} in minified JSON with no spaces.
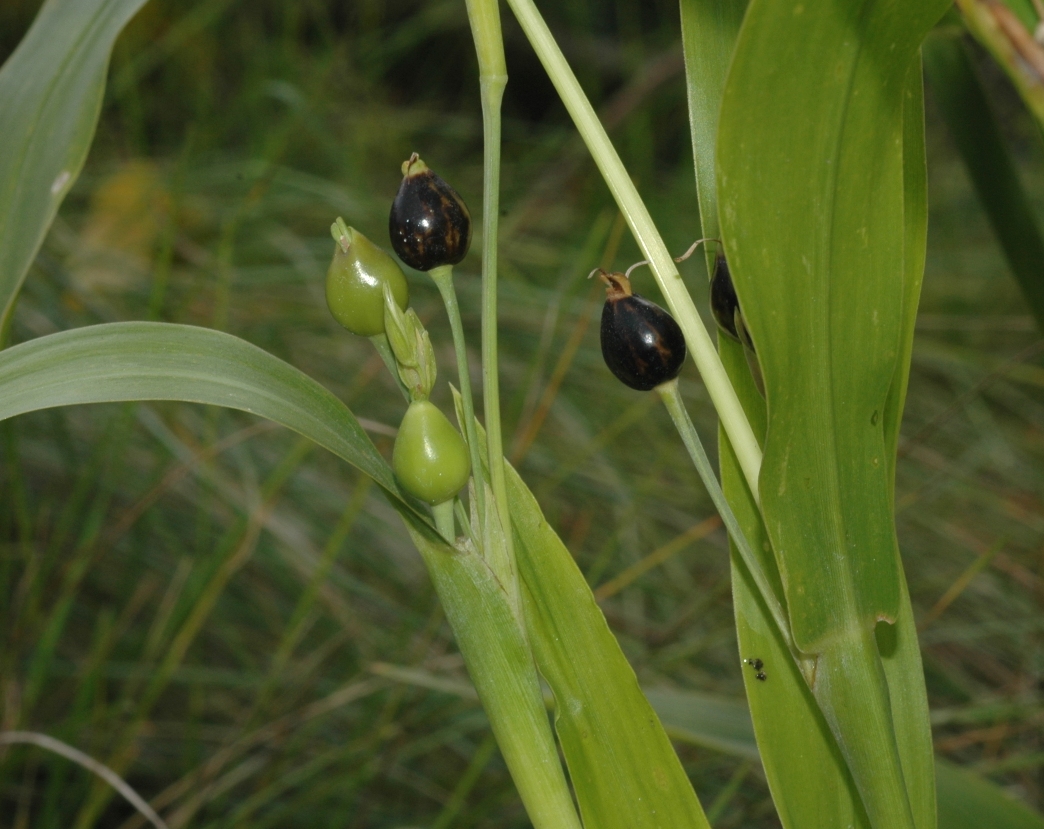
{"x":51,"y":91}
{"x":625,"y":771}
{"x":819,"y":268}
{"x":162,"y":361}
{"x":501,"y":667}
{"x":966,"y":800}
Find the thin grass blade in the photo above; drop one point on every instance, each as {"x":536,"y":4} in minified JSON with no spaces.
{"x":897,"y":644}
{"x":966,"y":800}
{"x":974,"y":128}
{"x":1007,"y":29}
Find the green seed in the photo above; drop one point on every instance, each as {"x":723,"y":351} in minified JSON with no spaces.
{"x":355,"y":283}
{"x":430,"y":458}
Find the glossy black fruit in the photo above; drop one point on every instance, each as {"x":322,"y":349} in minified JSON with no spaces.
{"x":725,"y":304}
{"x":641,"y":343}
{"x":429,"y":224}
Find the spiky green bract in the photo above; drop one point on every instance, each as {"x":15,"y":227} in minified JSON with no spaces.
{"x":410,"y":347}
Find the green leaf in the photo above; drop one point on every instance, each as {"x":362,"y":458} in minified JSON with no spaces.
{"x":820,"y":261}
{"x":624,"y":769}
{"x":501,"y":667}
{"x":973,"y":125}
{"x":51,"y":92}
{"x":897,"y":644}
{"x":709,"y":30}
{"x":819,"y":791}
{"x":966,"y":800}
{"x":160,"y":361}
{"x":813,"y":116}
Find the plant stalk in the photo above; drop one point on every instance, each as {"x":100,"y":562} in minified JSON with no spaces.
{"x":484,"y":16}
{"x":700,"y":344}
{"x":671,"y":398}
{"x":544,"y":792}
{"x":443,"y":278}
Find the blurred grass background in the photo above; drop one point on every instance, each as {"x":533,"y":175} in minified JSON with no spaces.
{"x":238,"y":623}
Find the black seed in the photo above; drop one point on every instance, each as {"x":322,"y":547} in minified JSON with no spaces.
{"x":725,"y":304}
{"x":641,"y":343}
{"x":429,"y":224}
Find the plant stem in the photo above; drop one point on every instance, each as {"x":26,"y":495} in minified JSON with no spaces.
{"x":538,"y":775}
{"x":443,"y":277}
{"x":671,"y":398}
{"x":444,"y":520}
{"x":484,"y":16}
{"x":663,"y":267}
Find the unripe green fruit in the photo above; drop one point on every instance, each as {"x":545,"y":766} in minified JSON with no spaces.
{"x":430,"y":458}
{"x":354,"y":284}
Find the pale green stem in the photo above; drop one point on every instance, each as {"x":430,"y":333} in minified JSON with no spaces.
{"x":443,"y":278}
{"x":444,"y":520}
{"x":671,"y":398}
{"x":537,"y":773}
{"x":380,"y":342}
{"x":484,"y":16}
{"x":637,"y":215}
